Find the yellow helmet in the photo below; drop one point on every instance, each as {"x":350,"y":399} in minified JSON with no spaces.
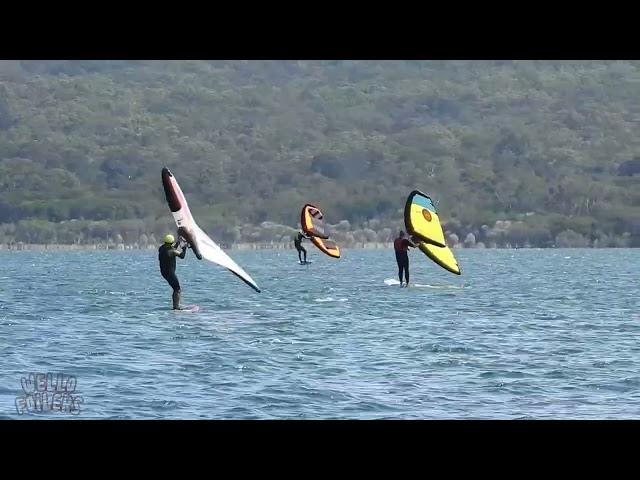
{"x":169,"y":238}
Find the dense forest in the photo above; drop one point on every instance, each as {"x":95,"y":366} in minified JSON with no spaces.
{"x":515,"y":153}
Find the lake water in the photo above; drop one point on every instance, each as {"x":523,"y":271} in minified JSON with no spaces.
{"x":521,"y":334}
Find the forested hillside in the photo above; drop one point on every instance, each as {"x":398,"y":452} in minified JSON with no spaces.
{"x":526,"y":152}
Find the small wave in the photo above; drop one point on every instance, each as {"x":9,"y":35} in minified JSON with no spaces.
{"x":394,"y":282}
{"x":454,"y":287}
{"x":166,"y":405}
{"x":330,"y":299}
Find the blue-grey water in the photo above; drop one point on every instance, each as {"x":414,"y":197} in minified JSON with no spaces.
{"x":521,"y":334}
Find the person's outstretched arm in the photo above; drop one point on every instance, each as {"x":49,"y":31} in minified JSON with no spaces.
{"x":182,"y":243}
{"x":174,"y":252}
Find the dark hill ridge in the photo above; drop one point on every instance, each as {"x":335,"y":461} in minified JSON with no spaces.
{"x":550,"y":146}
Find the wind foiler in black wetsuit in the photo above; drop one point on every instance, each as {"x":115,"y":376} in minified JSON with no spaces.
{"x":401,"y":246}
{"x":297,"y":242}
{"x":167,"y":254}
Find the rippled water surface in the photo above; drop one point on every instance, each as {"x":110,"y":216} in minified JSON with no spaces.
{"x":521,"y":334}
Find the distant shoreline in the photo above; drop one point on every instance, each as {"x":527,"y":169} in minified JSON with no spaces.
{"x":235,"y":246}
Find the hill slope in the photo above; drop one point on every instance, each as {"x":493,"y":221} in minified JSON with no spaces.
{"x":548,"y":145}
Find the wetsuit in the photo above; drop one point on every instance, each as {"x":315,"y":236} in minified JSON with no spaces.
{"x":401,"y":246}
{"x":167,"y":254}
{"x":297,"y":242}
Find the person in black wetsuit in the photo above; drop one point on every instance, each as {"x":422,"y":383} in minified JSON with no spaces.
{"x":167,"y":254}
{"x":297,"y":242}
{"x":401,"y":246}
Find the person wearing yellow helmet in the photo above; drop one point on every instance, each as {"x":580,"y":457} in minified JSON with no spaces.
{"x":167,"y":254}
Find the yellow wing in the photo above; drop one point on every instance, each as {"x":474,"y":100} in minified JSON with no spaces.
{"x":421,"y":219}
{"x":311,"y":221}
{"x":443,"y":256}
{"x":327,"y":246}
